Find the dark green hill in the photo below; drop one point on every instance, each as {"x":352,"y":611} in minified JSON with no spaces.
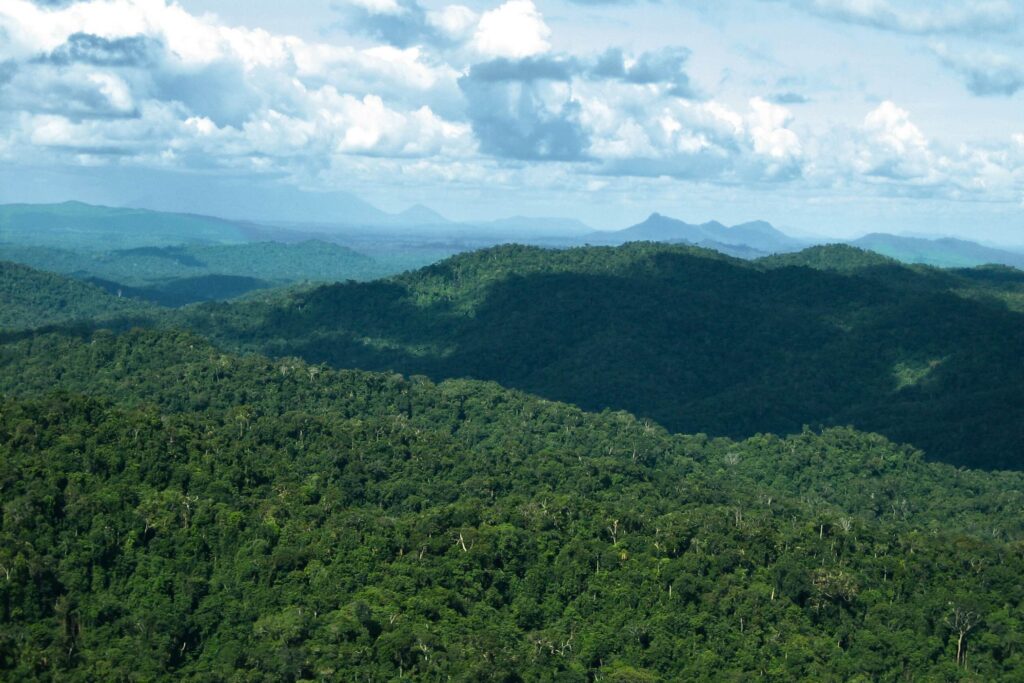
{"x":838,"y":257}
{"x":695,"y":340}
{"x":201,"y":516}
{"x":31,"y":298}
{"x":993,"y":283}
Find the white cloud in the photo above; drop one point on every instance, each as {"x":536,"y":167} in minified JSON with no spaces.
{"x":144,"y":82}
{"x":892,"y":146}
{"x":514,"y":30}
{"x":457,"y":22}
{"x":114,"y":89}
{"x":640,"y":131}
{"x":767,"y":124}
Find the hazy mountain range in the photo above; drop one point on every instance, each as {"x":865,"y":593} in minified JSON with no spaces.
{"x":419,"y":235}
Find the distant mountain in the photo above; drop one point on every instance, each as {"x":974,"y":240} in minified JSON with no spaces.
{"x":272,"y":203}
{"x":74,"y":225}
{"x":30,"y":298}
{"x":946,"y":252}
{"x":757,"y":235}
{"x":420,"y":215}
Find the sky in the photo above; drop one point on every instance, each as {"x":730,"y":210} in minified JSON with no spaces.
{"x":826,"y":117}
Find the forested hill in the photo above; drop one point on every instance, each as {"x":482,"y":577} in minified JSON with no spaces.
{"x":839,"y":257}
{"x":31,"y":298}
{"x":272,"y":262}
{"x":201,"y":516}
{"x":695,"y":340}
{"x":75,"y":225}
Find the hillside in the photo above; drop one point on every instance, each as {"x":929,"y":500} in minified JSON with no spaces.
{"x":74,"y":225}
{"x":837,"y":257}
{"x":692,"y":339}
{"x":31,"y":298}
{"x":946,"y":252}
{"x":173,"y":276}
{"x":997,"y":284}
{"x":201,"y":515}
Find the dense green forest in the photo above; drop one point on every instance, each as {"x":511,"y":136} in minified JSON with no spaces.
{"x":695,"y":340}
{"x":31,"y":298}
{"x":175,"y":276}
{"x":171,"y":511}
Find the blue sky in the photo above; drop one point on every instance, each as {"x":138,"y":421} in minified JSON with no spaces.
{"x":831,"y":117}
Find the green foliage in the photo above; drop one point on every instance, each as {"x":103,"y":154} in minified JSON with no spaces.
{"x":30,"y":298}
{"x":175,"y":276}
{"x":204,"y":516}
{"x":838,"y":257}
{"x":695,"y":340}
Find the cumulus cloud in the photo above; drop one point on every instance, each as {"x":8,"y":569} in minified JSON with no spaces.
{"x":402,"y":23}
{"x":514,"y":30}
{"x":85,"y":48}
{"x":663,"y":66}
{"x":453,"y":95}
{"x":889,"y":153}
{"x":694,"y":140}
{"x":149,"y":82}
{"x":892,"y":146}
{"x":985,"y":74}
{"x":524,"y":110}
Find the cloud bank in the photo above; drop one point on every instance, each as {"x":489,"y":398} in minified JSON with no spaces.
{"x":454,"y":95}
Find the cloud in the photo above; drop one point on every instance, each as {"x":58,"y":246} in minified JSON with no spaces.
{"x":457,"y":97}
{"x":972,"y":17}
{"x":162,"y":87}
{"x":514,"y":30}
{"x":86,"y":48}
{"x":788,"y":97}
{"x":8,"y":70}
{"x":892,"y":146}
{"x":528,"y":69}
{"x":524,"y":110}
{"x":528,"y":109}
{"x":889,"y":154}
{"x":986,"y":74}
{"x":690,"y":140}
{"x":402,"y":23}
{"x":662,"y":66}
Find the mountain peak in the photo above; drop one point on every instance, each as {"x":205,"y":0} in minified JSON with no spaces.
{"x":418,"y":213}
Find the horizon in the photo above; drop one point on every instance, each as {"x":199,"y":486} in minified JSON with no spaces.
{"x":603,"y":112}
{"x":809,"y":239}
